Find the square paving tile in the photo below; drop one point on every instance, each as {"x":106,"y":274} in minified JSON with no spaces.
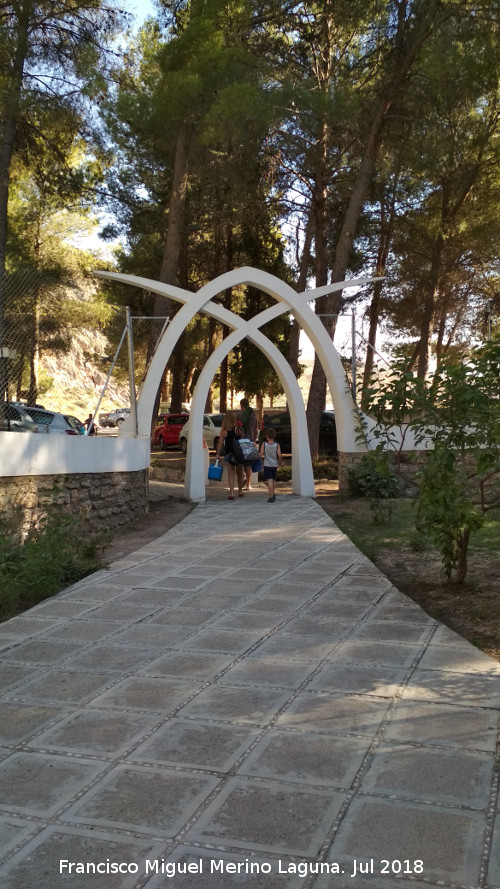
{"x":19,"y":721}
{"x":178,"y":582}
{"x":27,"y":626}
{"x":448,"y":841}
{"x":237,"y":703}
{"x":195,"y":745}
{"x":81,"y":630}
{"x":371,"y":680}
{"x":188,"y":617}
{"x":214,"y":639}
{"x":322,"y":712}
{"x":329,"y":627}
{"x":306,"y":758}
{"x":40,"y":784}
{"x":97,"y":592}
{"x":152,"y":598}
{"x":105,"y":733}
{"x":268,"y":816}
{"x":57,"y":606}
{"x":268,"y":671}
{"x":147,"y":693}
{"x":150,"y":800}
{"x":14,"y":674}
{"x":459,"y":658}
{"x":467,"y":727}
{"x":112,"y":658}
{"x":377,"y":653}
{"x":121,"y":612}
{"x":38,"y":864}
{"x":296,"y":647}
{"x":37,"y":652}
{"x":59,"y":685}
{"x":278,"y":606}
{"x":256,"y":621}
{"x":202,"y":665}
{"x":148,"y":634}
{"x":214,"y":600}
{"x":391,"y":631}
{"x":474,"y":689}
{"x":453,"y":777}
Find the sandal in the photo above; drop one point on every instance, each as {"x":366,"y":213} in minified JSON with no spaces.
{"x":241,"y":494}
{"x":230,"y":497}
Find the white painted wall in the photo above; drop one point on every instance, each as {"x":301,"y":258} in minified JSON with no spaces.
{"x":27,"y":453}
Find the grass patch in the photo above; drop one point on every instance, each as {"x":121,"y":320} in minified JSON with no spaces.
{"x":56,"y":552}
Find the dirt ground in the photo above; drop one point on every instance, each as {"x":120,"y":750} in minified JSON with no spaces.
{"x":162,"y":516}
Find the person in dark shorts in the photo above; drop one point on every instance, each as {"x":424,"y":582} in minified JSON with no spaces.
{"x":270,"y":454}
{"x":229,"y":431}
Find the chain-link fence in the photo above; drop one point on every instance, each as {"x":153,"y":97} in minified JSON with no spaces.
{"x":54,"y":344}
{"x":62,"y":345}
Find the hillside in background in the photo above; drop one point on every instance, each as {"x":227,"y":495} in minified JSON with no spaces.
{"x":78,"y":378}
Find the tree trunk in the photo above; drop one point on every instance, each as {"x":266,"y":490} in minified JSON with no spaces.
{"x":305,"y":260}
{"x":428,"y":308}
{"x":406,"y":48}
{"x":10,"y":113}
{"x":462,"y":548}
{"x":211,"y":343}
{"x":164,"y":307}
{"x":386,"y":230}
{"x":228,"y":304}
{"x":316,"y":401}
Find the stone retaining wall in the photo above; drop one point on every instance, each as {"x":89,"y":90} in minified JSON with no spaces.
{"x":103,"y":500}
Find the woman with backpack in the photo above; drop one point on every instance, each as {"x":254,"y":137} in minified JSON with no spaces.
{"x":231,"y":430}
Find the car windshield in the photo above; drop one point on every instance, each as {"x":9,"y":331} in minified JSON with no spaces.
{"x":73,"y":422}
{"x":217,"y":419}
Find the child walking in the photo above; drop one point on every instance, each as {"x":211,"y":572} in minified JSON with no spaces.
{"x":270,"y":453}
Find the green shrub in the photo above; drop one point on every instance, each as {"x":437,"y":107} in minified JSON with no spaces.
{"x":374,"y":478}
{"x":56,"y":552}
{"x":326,"y":468}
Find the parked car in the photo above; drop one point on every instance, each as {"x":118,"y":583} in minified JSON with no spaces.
{"x":280,"y":420}
{"x":211,"y":431}
{"x":16,"y":418}
{"x":114,"y":418}
{"x":24,"y":418}
{"x":167,"y":433}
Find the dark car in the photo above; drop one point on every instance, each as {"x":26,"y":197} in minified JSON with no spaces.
{"x":281,"y":422}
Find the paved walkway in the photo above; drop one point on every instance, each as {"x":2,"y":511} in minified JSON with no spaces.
{"x":246,"y":703}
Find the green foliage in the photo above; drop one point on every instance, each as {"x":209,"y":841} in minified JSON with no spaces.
{"x":56,"y":552}
{"x":373,"y":477}
{"x":445,"y":513}
{"x":458,"y":415}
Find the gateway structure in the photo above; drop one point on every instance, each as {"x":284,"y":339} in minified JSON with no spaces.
{"x":287,"y":300}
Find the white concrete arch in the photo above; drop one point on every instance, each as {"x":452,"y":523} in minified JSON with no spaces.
{"x":302,"y":474}
{"x":287,"y":300}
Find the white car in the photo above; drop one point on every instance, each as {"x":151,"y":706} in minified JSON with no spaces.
{"x":211,"y":431}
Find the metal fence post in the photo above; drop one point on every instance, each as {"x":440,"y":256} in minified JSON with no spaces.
{"x":131,"y":369}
